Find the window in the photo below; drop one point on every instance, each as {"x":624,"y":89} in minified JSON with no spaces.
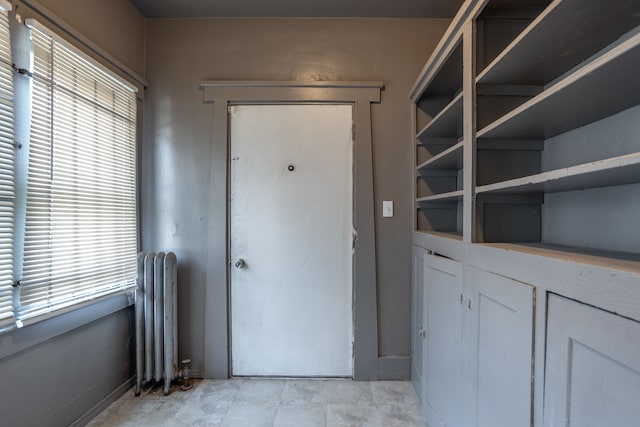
{"x":7,"y":193}
{"x":77,"y":197}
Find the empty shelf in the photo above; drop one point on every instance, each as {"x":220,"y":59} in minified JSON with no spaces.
{"x":603,"y":173}
{"x":451,"y":158}
{"x":580,"y":28}
{"x":447,"y":124}
{"x":604,"y":86}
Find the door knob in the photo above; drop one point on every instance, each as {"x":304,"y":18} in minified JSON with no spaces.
{"x":239,"y":263}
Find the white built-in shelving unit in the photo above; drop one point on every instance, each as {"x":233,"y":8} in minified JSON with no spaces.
{"x":544,"y":71}
{"x":527,"y":200}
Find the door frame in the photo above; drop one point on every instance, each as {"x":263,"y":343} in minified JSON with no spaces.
{"x":223,"y":94}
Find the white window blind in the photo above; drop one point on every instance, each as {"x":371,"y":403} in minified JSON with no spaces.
{"x":7,"y":193}
{"x":81,"y":228}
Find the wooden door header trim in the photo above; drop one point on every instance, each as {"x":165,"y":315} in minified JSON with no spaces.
{"x":294,"y":83}
{"x":283,"y":91}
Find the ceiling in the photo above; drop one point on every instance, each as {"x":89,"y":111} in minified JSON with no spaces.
{"x":298,"y":8}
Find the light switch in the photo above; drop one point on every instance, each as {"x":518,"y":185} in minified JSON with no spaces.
{"x":387,"y":208}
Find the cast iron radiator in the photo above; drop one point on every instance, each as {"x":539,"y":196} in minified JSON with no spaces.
{"x":156,"y":320}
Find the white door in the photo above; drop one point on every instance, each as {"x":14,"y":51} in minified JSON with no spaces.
{"x":291,"y":240}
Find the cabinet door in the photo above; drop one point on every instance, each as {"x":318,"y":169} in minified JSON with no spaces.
{"x":592,"y":376}
{"x":499,"y":336}
{"x":443,"y":355}
{"x":417,"y":322}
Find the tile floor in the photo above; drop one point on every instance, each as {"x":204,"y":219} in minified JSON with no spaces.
{"x":271,"y":402}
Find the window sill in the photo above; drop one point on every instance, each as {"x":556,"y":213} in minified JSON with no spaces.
{"x":20,"y":339}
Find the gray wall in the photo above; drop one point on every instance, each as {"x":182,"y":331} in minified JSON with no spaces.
{"x":57,"y":381}
{"x":178,"y":135}
{"x":56,"y":371}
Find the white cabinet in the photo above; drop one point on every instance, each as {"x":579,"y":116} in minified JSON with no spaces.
{"x":592,"y":367}
{"x":499,"y":326}
{"x":477,"y":358}
{"x":441,"y":394}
